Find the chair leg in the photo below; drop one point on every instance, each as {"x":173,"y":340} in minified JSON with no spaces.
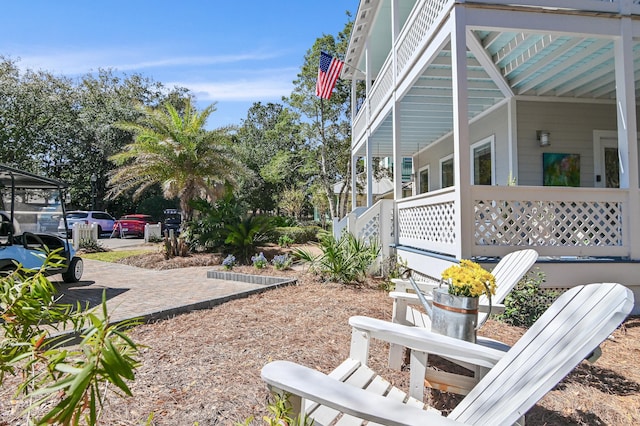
{"x":396,"y":352}
{"x":417,"y":374}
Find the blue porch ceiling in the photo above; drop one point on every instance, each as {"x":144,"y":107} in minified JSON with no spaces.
{"x":530,"y":64}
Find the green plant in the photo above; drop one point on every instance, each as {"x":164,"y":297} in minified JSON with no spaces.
{"x":68,"y":383}
{"x":285,"y":241}
{"x":527,"y":301}
{"x":281,"y":261}
{"x":229,"y":262}
{"x":259,"y":261}
{"x":92,"y":246}
{"x":244,"y":237}
{"x":392,"y":267}
{"x":346,"y":260}
{"x":280,"y":413}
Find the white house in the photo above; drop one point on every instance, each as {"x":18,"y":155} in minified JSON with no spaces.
{"x":520,"y":117}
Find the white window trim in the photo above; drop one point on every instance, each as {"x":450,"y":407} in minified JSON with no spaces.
{"x":491,"y":140}
{"x":422,"y":169}
{"x":442,"y":160}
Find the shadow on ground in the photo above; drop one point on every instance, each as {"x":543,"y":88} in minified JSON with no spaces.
{"x":89,"y":297}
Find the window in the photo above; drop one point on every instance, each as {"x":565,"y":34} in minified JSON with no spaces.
{"x":482,"y":162}
{"x":446,"y":171}
{"x":423,"y":180}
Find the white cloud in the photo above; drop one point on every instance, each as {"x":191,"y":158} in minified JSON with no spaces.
{"x":81,"y":62}
{"x":240,"y":90}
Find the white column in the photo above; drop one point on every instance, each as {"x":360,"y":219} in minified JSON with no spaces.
{"x":512,"y":142}
{"x":461,"y":156}
{"x":369,"y":170}
{"x":397,"y":158}
{"x":627,"y":130}
{"x":354,"y":180}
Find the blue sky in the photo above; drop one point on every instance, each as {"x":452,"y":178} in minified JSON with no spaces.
{"x":230,"y":52}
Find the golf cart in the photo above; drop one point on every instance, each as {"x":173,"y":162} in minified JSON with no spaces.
{"x":27,"y":204}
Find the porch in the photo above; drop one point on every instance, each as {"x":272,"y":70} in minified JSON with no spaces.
{"x":480,"y":95}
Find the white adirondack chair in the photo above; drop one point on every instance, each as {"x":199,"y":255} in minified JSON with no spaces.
{"x":509,"y":270}
{"x":568,"y":332}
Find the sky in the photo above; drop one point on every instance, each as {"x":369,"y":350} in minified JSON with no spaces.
{"x":233,"y":53}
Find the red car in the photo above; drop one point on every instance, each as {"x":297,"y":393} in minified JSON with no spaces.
{"x":132,"y":224}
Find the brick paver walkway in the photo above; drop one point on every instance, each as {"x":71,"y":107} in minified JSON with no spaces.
{"x":137,"y":292}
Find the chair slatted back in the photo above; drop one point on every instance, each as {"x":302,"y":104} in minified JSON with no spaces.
{"x":573,"y":326}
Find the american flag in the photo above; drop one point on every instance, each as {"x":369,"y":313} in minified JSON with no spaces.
{"x":328,"y":73}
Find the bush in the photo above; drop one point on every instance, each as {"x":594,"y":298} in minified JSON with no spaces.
{"x":299,"y":235}
{"x":68,"y":383}
{"x":259,"y":261}
{"x":91,"y":246}
{"x":527,"y":301}
{"x":285,"y":241}
{"x":346,"y":260}
{"x":281,"y":261}
{"x":229,"y":262}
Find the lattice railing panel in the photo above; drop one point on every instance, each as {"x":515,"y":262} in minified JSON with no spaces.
{"x":548,"y":223}
{"x":371,"y":229}
{"x":417,"y":30}
{"x":433,"y":223}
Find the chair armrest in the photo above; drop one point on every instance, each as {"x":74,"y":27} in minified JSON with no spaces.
{"x":412,"y":299}
{"x":404,"y":285}
{"x":496,"y":308}
{"x":420,"y":339}
{"x":318,"y":387}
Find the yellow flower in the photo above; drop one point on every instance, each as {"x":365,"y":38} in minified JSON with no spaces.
{"x":469,"y":279}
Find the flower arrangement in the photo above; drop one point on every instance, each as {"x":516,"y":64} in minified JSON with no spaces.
{"x":229,"y":262}
{"x":281,"y":261}
{"x":259,"y":261}
{"x":469,"y":279}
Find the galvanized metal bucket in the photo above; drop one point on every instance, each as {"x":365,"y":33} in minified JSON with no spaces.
{"x":454,"y":316}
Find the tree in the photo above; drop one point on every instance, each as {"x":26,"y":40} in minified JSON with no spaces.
{"x":292,"y":201}
{"x":66,"y":129}
{"x":271,"y":145}
{"x":174,"y":150}
{"x":328,"y":130}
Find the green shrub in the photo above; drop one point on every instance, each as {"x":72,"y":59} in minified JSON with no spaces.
{"x":91,"y":246}
{"x":68,"y":383}
{"x":280,"y":413}
{"x":346,"y":260}
{"x":285,"y":241}
{"x":299,"y":235}
{"x":527,"y":301}
{"x":244,"y":237}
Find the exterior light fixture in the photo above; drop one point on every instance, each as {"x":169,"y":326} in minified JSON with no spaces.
{"x":544,"y":137}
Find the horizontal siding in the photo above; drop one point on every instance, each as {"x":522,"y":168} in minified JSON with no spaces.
{"x":571,"y":127}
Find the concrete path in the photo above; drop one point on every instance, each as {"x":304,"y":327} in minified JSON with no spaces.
{"x":149,"y":294}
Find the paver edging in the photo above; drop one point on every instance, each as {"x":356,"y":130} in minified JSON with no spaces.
{"x":247,"y":278}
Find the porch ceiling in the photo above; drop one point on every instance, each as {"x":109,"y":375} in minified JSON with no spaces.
{"x":500,"y":65}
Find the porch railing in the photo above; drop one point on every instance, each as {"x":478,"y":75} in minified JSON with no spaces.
{"x":373,"y":223}
{"x":428,"y":222}
{"x":556,"y":221}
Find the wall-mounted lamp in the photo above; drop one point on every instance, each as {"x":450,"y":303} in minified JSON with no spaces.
{"x":544,"y":137}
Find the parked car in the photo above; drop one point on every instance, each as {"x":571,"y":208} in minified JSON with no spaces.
{"x":132,"y":224}
{"x":104,"y":220}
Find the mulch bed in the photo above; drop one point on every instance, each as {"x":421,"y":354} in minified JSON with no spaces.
{"x":204,"y":367}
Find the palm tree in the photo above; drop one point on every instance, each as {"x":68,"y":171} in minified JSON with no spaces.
{"x":174,"y":150}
